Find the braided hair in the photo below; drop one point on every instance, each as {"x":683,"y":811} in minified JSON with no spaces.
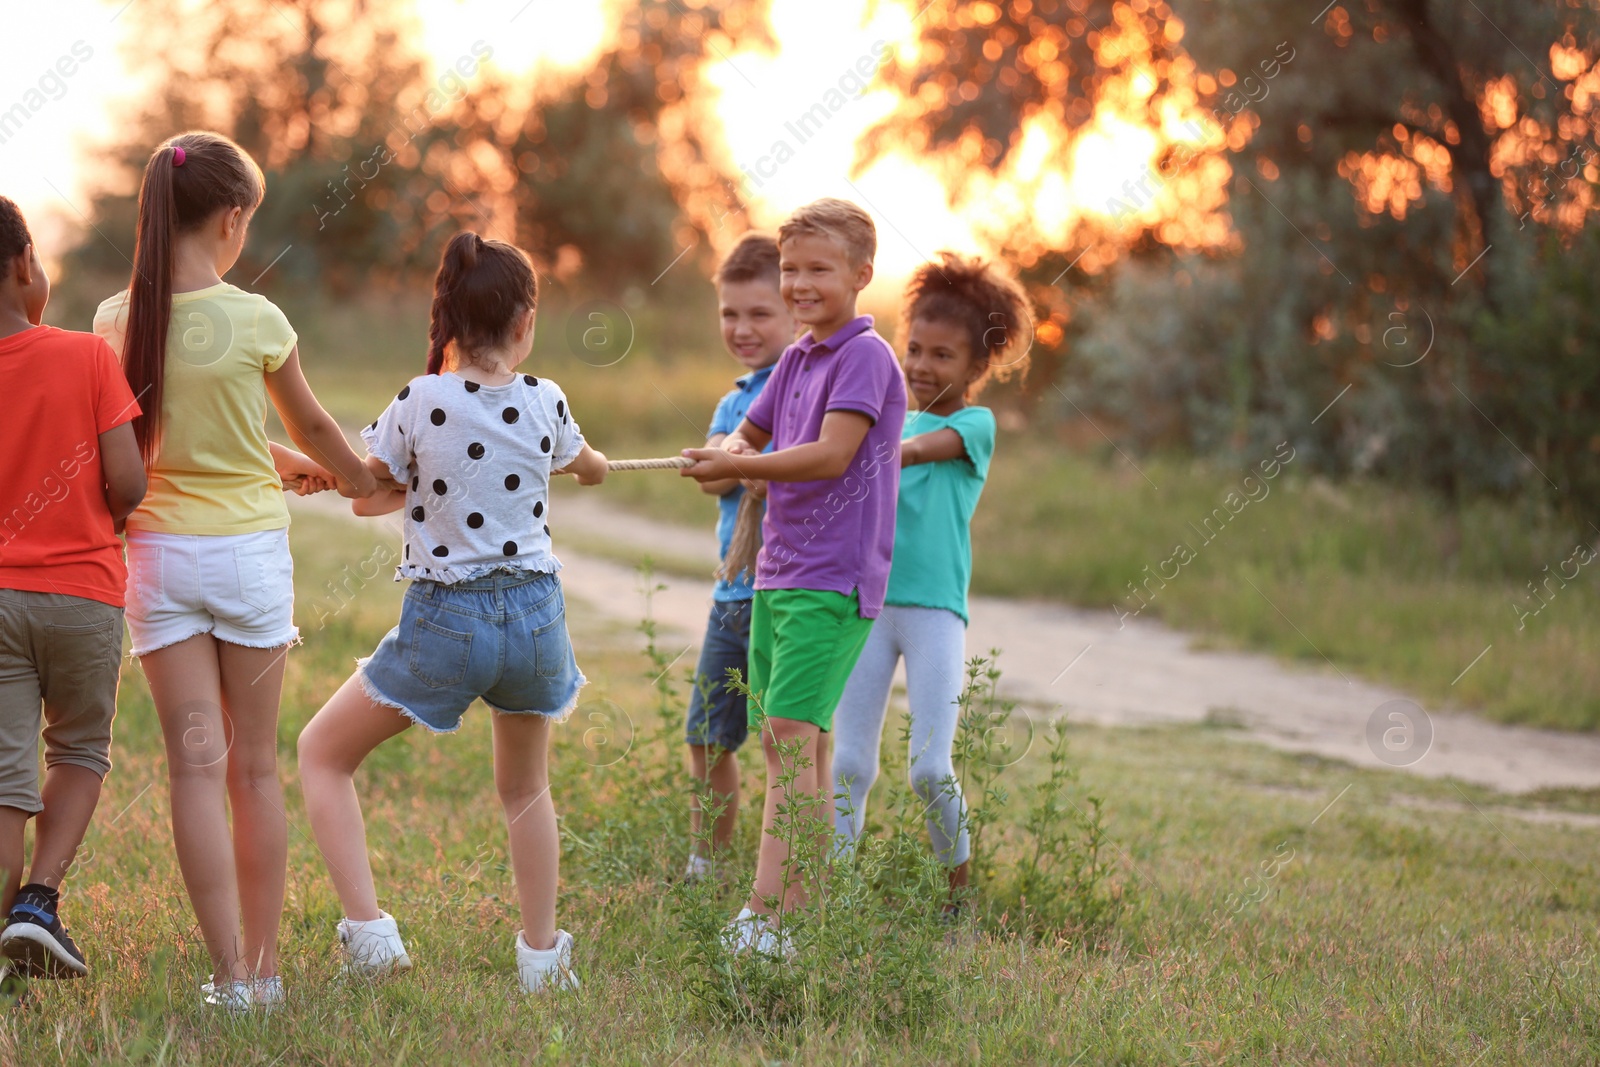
{"x":990,"y":307}
{"x":481,"y":290}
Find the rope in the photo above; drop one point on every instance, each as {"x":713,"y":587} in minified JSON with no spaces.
{"x":745,"y":544}
{"x":669,"y":463}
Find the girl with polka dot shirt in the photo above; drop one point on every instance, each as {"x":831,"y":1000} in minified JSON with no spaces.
{"x":466,"y":451}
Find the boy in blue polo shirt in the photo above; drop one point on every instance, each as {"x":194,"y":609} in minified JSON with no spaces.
{"x":756,"y":327}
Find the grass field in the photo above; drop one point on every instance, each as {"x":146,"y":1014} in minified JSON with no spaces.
{"x":1393,"y":584}
{"x":1275,"y":909}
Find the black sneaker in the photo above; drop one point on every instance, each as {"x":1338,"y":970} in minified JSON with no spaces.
{"x":35,"y":939}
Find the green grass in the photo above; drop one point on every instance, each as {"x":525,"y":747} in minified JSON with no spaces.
{"x":1388,"y":583}
{"x":1407,"y":921}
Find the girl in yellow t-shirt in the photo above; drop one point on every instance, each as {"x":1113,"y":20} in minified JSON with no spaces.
{"x":210,"y":586}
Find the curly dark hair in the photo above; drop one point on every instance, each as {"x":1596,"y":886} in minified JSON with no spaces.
{"x":990,"y":306}
{"x":14,"y":235}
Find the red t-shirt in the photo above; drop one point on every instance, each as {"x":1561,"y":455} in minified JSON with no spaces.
{"x":60,"y":390}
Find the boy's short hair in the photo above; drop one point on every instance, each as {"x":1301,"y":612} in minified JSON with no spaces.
{"x":839,"y":219}
{"x":754,"y":258}
{"x":14,"y":235}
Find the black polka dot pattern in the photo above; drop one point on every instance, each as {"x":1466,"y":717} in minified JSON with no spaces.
{"x":473,"y":439}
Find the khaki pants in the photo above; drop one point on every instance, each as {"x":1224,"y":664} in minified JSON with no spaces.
{"x":62,"y":655}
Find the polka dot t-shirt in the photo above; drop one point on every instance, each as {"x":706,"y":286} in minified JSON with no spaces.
{"x":476,"y":462}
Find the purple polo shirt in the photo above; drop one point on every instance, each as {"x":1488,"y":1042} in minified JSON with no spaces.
{"x":836,"y":534}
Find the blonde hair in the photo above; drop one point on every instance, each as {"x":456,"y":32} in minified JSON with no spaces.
{"x":838,"y":219}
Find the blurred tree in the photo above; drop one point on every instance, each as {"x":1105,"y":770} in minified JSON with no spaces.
{"x":609,"y":171}
{"x":371,"y":161}
{"x":265,"y":72}
{"x":1393,"y":169}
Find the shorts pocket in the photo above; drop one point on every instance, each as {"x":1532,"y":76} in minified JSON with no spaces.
{"x":145,"y":587}
{"x":89,"y":651}
{"x":439,"y":656}
{"x":552,"y":651}
{"x":266,"y":575}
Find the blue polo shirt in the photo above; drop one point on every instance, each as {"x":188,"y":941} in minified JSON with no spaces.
{"x":730,"y":413}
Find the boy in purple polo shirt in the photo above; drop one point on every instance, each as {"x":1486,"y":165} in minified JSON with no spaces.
{"x":833,"y":411}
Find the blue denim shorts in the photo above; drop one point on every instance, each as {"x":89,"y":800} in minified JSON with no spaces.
{"x":717,"y":714}
{"x":502,"y":637}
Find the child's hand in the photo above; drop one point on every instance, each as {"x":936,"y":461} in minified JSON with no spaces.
{"x":710,"y":464}
{"x":756,"y":487}
{"x":306,"y":484}
{"x":300,"y":473}
{"x":593,"y":469}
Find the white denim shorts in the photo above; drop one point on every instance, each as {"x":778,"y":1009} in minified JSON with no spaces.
{"x":237,"y":587}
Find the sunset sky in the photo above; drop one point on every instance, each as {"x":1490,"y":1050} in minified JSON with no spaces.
{"x":47,"y":165}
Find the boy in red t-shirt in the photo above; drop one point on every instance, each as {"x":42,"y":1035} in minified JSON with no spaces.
{"x":72,"y":474}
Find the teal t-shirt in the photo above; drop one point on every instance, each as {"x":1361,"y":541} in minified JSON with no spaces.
{"x":932,"y":528}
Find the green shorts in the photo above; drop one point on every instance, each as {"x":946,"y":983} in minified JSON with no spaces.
{"x":803,"y":645}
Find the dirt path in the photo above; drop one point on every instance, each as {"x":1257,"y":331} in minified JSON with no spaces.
{"x":1080,"y":662}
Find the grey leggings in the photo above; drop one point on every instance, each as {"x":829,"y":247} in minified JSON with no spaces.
{"x":933,"y":642}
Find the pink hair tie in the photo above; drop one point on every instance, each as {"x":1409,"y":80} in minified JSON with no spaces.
{"x":178,"y":155}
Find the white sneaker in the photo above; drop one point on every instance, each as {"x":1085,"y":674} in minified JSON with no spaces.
{"x":244,"y":995}
{"x":699,"y":867}
{"x":742,"y":934}
{"x":750,"y":932}
{"x":373,"y":947}
{"x":546,"y":969}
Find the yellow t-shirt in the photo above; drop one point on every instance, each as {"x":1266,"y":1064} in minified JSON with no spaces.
{"x":213,"y":473}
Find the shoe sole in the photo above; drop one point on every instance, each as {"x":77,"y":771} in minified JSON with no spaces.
{"x":37,"y":954}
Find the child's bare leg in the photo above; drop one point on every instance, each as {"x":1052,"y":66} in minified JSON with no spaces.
{"x":252,"y":685}
{"x":715,"y":771}
{"x":522,"y":778}
{"x":332,"y":746}
{"x":824,"y":760}
{"x":13,"y":823}
{"x":186,"y":684}
{"x":773,"y":861}
{"x":70,"y":796}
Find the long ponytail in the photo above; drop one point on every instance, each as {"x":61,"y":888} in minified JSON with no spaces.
{"x":187,"y":181}
{"x":481,"y":289}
